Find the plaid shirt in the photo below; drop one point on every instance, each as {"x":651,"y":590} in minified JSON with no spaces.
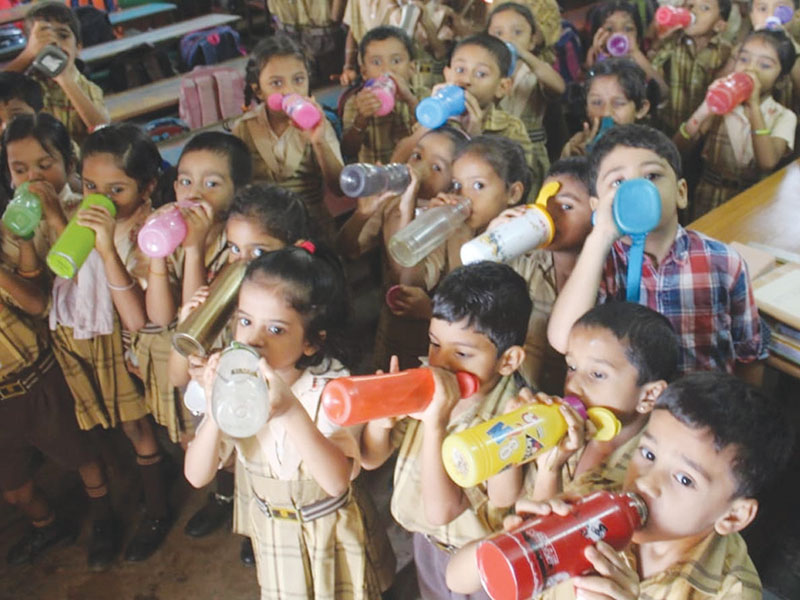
{"x":59,"y":105}
{"x":703,"y":288}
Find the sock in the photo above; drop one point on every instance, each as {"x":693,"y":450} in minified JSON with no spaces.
{"x":99,"y":502}
{"x":225,"y":484}
{"x":155,"y":490}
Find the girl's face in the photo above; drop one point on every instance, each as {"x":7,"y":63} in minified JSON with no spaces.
{"x":510,"y":26}
{"x":758,"y":57}
{"x":282,"y":75}
{"x":622,"y":22}
{"x":761,"y":10}
{"x":432,"y":159}
{"x":571,"y":211}
{"x":607,"y":98}
{"x":205,"y":175}
{"x":267,"y":322}
{"x":28,"y":160}
{"x":247,"y":240}
{"x":475,"y":179}
{"x":102,"y":175}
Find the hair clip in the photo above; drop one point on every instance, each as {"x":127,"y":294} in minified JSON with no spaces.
{"x":307,"y":245}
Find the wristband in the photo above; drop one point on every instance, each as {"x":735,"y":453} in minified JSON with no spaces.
{"x":684,"y":132}
{"x":121,"y":288}
{"x":29,"y":274}
{"x":762,"y":131}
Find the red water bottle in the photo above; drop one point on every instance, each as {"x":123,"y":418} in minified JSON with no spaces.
{"x":669,"y":17}
{"x":544,"y":551}
{"x":352,"y":400}
{"x":726,"y":94}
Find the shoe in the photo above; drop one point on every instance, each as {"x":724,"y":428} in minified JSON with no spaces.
{"x":102,"y":545}
{"x":147,"y":539}
{"x":39,"y":539}
{"x":246,"y":553}
{"x":211,"y":517}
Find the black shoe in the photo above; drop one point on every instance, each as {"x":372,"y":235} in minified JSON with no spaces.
{"x":211,"y":517}
{"x":246,"y":553}
{"x":39,"y":539}
{"x":148,"y":538}
{"x":102,"y":545}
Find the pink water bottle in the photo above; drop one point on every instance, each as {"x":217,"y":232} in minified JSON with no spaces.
{"x":384,"y":89}
{"x":300,"y":110}
{"x":726,"y":94}
{"x":162,"y":233}
{"x":618,"y":45}
{"x":669,"y":17}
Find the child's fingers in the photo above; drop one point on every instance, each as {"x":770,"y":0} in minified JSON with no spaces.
{"x":394,"y":364}
{"x":512,"y":522}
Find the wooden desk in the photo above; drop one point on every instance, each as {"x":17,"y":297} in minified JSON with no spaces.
{"x":758,"y":215}
{"x":153,"y":96}
{"x":155,"y":36}
{"x":126,"y":15}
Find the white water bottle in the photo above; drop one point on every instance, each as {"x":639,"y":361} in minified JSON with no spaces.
{"x":425,"y":233}
{"x":240,"y":396}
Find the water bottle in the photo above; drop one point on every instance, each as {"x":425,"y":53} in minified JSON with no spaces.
{"x":162,"y":233}
{"x":363,"y":179}
{"x":23,"y":213}
{"x":447,"y":102}
{"x":729,"y":92}
{"x":409,"y":15}
{"x":618,"y":45}
{"x":425,"y":233}
{"x":304,"y":114}
{"x":240,"y":396}
{"x":384,"y":88}
{"x":782,"y":15}
{"x":533,"y":229}
{"x":544,"y":551}
{"x":669,"y":17}
{"x":76,"y":241}
{"x":51,"y":61}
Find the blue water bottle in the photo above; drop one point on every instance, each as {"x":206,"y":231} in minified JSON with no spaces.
{"x":434,"y":111}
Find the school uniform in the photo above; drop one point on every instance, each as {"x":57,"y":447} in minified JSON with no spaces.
{"x":363,"y":15}
{"x":497,"y":121}
{"x":60,"y":106}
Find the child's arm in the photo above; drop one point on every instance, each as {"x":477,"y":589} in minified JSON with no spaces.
{"x":178,"y":366}
{"x":580,"y":290}
{"x":376,"y":437}
{"x":199,"y":218}
{"x":355,"y":120}
{"x":349,"y":71}
{"x":462,"y":575}
{"x":650,"y":71}
{"x":92,"y":112}
{"x":159,"y":297}
{"x":767,"y":149}
{"x":202,"y":460}
{"x":126,"y":293}
{"x":437,"y":46}
{"x":28,"y":294}
{"x":329,"y":161}
{"x":615,"y":578}
{"x":691,"y":132}
{"x":348,"y":240}
{"x":550,"y":79}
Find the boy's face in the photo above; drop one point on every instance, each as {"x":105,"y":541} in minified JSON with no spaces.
{"x":475,"y":69}
{"x":624,"y":162}
{"x":458,"y":347}
{"x":761,"y":10}
{"x":11,"y":109}
{"x":707,"y":17}
{"x":759,"y":58}
{"x":687,"y":484}
{"x":282,"y":75}
{"x":510,"y":26}
{"x":205,"y":175}
{"x":51,"y":32}
{"x":386,"y":56}
{"x":475,"y":179}
{"x":432,"y":159}
{"x":600,"y":374}
{"x":571,"y":211}
{"x":607,"y":98}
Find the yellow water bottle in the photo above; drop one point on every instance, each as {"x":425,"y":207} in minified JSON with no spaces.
{"x":477,"y":453}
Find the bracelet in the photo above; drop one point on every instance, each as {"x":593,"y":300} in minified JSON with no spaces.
{"x":684,"y":132}
{"x":158,"y":273}
{"x":29,"y":274}
{"x":121,"y":288}
{"x":762,"y":131}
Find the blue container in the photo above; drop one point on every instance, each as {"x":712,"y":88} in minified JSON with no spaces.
{"x":434,"y":111}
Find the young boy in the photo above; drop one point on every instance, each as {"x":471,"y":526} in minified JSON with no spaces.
{"x":689,"y":59}
{"x":480,"y":313}
{"x":70,"y":97}
{"x":701,"y":285}
{"x":712,"y":445}
{"x":385,"y":50}
{"x":19,"y":95}
{"x":480,"y":65}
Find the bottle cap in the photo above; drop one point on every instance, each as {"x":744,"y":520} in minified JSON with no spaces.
{"x":608,"y":426}
{"x":467,"y":383}
{"x":275,"y":101}
{"x":618,"y":45}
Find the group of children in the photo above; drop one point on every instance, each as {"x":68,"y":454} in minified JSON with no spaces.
{"x":696,"y":441}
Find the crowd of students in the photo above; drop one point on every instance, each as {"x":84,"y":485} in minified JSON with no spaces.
{"x":697,"y":442}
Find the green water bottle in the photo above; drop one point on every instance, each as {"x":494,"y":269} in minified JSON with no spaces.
{"x":23,"y":213}
{"x":76,"y":241}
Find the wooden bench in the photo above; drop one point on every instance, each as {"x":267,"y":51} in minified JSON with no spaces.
{"x":118,"y":17}
{"x":153,"y":96}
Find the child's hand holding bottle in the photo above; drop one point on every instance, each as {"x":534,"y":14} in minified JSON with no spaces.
{"x":199,"y":215}
{"x":446,"y":395}
{"x":99,"y":219}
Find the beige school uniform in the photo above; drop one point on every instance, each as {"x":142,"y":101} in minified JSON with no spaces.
{"x":363,"y":15}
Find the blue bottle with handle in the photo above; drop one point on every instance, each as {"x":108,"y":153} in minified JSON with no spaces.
{"x":447,"y":102}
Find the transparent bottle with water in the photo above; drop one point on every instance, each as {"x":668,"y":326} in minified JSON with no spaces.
{"x":363,"y":179}
{"x":240,"y":396}
{"x":425,"y":233}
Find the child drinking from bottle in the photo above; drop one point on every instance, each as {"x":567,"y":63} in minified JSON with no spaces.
{"x":741,"y":147}
{"x":305,"y":161}
{"x":307,"y":528}
{"x":91,"y":311}
{"x":533,"y":82}
{"x":480,"y":314}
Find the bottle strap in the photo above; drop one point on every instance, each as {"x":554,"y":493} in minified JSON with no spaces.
{"x":635,"y":262}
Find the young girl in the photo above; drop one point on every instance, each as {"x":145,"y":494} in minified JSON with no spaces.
{"x":293,"y":311}
{"x":741,"y":147}
{"x":615,"y":88}
{"x":306,"y":162}
{"x":402,"y":330}
{"x":533,"y":82}
{"x":90,"y":312}
{"x":619,"y":17}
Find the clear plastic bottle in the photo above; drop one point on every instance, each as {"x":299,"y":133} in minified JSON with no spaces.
{"x":240,"y":396}
{"x":23,"y":213}
{"x":363,"y":179}
{"x":425,"y":233}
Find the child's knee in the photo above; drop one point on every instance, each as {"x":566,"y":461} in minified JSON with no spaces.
{"x":20,"y":496}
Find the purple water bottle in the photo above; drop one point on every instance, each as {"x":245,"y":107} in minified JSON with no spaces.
{"x":618,"y":45}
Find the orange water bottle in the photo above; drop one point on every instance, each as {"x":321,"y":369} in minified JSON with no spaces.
{"x":729,"y":92}
{"x":358,"y":399}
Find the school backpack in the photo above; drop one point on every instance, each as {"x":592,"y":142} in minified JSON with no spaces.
{"x":210,"y":46}
{"x":139,"y":66}
{"x":569,"y":53}
{"x":95,"y":26}
{"x":106,"y":5}
{"x":210,"y":94}
{"x":164,"y":128}
{"x":11,"y":39}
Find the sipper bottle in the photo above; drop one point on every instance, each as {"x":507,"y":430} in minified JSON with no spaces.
{"x":447,"y":102}
{"x":363,"y":179}
{"x":618,"y":45}
{"x":304,"y":114}
{"x":726,"y":94}
{"x":425,"y":233}
{"x":23,"y":213}
{"x":670,"y":17}
{"x":162,"y":233}
{"x":384,"y":88}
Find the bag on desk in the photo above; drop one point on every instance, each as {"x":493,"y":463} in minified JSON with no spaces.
{"x":210,"y":94}
{"x":139,"y":66}
{"x":95,"y":26}
{"x":210,"y":46}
